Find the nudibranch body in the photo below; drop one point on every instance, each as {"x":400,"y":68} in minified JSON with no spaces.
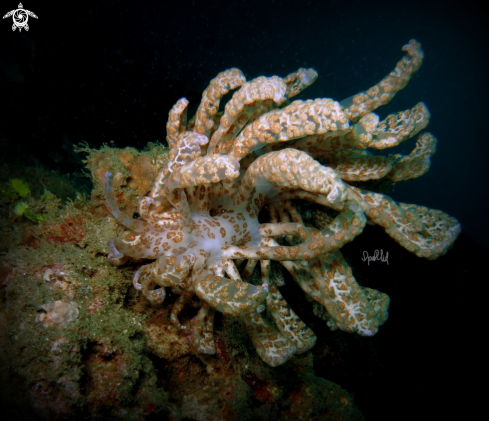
{"x":261,"y":152}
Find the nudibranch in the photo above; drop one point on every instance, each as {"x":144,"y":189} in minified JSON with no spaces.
{"x":263,"y":151}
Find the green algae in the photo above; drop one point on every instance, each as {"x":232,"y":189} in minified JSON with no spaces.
{"x":63,"y":260}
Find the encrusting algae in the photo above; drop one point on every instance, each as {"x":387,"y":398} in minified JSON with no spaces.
{"x":76,"y":339}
